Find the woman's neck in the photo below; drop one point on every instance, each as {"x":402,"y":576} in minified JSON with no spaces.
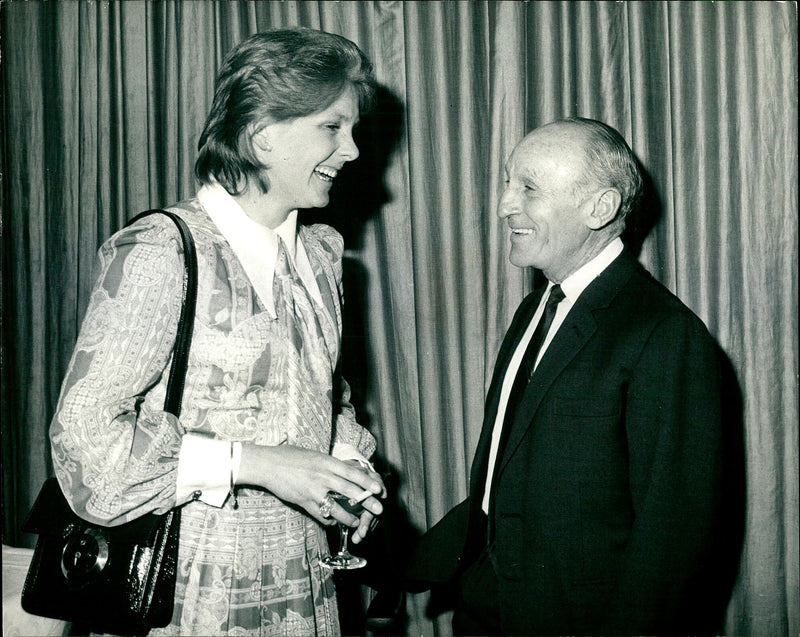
{"x":260,"y":209}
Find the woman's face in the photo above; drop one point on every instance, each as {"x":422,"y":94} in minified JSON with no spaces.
{"x":307,"y":153}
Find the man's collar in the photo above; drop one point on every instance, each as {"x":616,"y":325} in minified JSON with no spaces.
{"x":579,"y":280}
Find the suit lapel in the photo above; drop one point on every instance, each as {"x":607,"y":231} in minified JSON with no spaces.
{"x":568,"y":341}
{"x":575,"y":331}
{"x":513,"y":335}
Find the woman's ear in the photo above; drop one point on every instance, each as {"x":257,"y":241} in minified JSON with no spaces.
{"x":260,"y":139}
{"x":606,"y":206}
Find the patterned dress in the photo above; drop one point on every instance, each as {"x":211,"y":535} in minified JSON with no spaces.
{"x":251,"y":378}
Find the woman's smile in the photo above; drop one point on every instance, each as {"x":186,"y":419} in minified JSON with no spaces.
{"x":325,"y":173}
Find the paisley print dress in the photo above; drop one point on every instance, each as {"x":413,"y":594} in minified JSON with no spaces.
{"x":252,"y":378}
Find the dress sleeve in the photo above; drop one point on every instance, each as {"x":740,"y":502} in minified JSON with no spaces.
{"x":346,"y":429}
{"x":115,"y":450}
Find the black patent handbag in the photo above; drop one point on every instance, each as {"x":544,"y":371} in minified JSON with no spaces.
{"x":120,"y":579}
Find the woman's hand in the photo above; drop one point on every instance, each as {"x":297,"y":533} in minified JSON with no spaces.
{"x":367,"y":521}
{"x":304,"y":477}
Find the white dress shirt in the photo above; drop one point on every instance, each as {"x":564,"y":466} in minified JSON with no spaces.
{"x":573,"y":286}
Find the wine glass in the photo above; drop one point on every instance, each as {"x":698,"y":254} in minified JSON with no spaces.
{"x":344,"y":559}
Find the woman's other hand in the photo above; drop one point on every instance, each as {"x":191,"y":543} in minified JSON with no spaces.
{"x":367,"y":520}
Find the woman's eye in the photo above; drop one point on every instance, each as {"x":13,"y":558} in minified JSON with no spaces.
{"x":333,"y":127}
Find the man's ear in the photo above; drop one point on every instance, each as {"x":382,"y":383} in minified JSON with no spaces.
{"x":605,"y":207}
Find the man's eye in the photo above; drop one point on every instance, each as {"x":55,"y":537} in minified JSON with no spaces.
{"x":334,"y":127}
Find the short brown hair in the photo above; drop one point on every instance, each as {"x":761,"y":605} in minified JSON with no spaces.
{"x":275,"y":75}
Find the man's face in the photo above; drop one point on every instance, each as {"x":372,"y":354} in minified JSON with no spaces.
{"x":541,"y":202}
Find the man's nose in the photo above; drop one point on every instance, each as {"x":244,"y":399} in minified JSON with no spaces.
{"x":508,"y":204}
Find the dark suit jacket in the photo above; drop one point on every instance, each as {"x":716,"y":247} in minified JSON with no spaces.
{"x":607,"y":496}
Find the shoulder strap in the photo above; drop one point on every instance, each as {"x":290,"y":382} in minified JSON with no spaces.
{"x":183,"y":340}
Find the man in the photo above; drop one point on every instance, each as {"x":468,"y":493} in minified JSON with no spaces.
{"x":595,"y":490}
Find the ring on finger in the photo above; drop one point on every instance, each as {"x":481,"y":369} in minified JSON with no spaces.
{"x":326,"y":506}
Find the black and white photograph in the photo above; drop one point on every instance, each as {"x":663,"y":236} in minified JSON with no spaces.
{"x":421,"y":318}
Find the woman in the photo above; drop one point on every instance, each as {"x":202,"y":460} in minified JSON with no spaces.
{"x":264,"y":408}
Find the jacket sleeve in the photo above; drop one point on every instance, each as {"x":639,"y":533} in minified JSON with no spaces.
{"x":674,"y":435}
{"x":115,"y":451}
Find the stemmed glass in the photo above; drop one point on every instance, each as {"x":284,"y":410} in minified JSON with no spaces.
{"x":344,"y":559}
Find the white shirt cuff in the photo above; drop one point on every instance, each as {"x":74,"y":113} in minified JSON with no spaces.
{"x":206,"y":468}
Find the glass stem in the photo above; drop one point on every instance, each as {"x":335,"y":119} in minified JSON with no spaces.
{"x":343,"y":545}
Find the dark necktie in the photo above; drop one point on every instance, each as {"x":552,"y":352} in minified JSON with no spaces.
{"x":481,"y":529}
{"x":526,"y":366}
{"x":525,"y":370}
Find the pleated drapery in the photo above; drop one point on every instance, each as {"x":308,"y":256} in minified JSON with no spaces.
{"x":103,"y":103}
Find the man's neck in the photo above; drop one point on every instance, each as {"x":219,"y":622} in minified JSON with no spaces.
{"x":593,"y":246}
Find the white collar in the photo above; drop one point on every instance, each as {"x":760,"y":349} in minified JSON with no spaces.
{"x":256,"y":246}
{"x":579,"y":280}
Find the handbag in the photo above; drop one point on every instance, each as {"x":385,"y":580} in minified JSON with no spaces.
{"x":119,"y":579}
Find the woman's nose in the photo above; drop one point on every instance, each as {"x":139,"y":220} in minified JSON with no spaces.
{"x":348,"y":149}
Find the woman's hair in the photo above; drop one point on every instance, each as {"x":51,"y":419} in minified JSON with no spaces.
{"x":610,"y":162}
{"x":274,"y":76}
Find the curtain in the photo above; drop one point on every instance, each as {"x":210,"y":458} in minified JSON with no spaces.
{"x":103,"y":103}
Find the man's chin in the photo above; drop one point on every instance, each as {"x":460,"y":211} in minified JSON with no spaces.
{"x":519,"y":260}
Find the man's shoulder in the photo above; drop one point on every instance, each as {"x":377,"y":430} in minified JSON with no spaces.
{"x":644,"y":299}
{"x":652,"y":293}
